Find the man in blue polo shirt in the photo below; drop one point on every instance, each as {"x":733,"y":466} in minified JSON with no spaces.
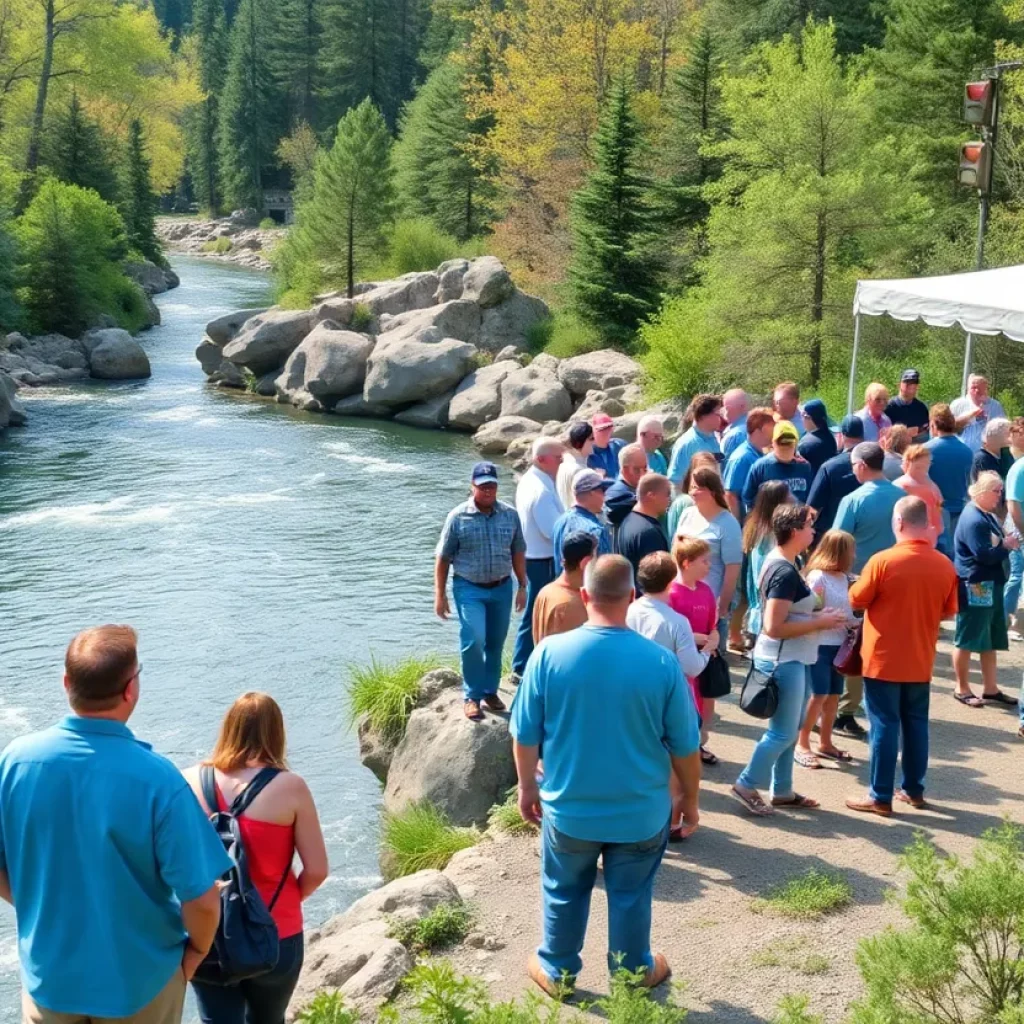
{"x":759,"y":425}
{"x":866,"y":513}
{"x":588,"y":488}
{"x":105,"y":853}
{"x":705,"y":414}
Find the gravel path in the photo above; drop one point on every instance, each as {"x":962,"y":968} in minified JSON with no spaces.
{"x":703,"y":919}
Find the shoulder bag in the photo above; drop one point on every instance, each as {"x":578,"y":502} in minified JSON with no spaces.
{"x":714,"y":681}
{"x":759,"y":697}
{"x":847,"y":661}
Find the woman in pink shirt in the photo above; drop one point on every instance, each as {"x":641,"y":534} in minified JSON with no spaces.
{"x":917,"y":460}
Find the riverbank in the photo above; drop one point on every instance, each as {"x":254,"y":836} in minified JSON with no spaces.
{"x":235,"y":240}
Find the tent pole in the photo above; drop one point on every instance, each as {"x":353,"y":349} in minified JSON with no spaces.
{"x":968,"y":352}
{"x":853,"y":363}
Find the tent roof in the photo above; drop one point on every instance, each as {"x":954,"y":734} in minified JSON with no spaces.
{"x":982,"y":302}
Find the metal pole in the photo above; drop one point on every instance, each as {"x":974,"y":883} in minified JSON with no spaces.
{"x":853,"y":364}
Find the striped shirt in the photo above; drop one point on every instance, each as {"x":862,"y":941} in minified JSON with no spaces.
{"x":480,"y":546}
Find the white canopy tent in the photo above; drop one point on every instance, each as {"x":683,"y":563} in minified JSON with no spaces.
{"x":982,"y":302}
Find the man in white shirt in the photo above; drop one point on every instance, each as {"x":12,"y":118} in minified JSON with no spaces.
{"x":974,"y":410}
{"x":577,"y":451}
{"x":539,"y":508}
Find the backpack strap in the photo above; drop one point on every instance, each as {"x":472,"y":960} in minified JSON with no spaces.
{"x":209,"y":786}
{"x":256,"y":786}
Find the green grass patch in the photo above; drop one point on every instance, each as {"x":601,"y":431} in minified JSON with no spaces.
{"x":445,"y":925}
{"x":791,"y":954}
{"x":362,"y":317}
{"x":386,"y":691}
{"x":327,"y":1008}
{"x":563,"y":335}
{"x":505,"y":817}
{"x":420,"y":837}
{"x":268,"y":224}
{"x":219,"y":246}
{"x":807,"y":896}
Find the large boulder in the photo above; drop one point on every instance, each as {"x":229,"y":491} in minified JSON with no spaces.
{"x":463,"y":768}
{"x":224,"y":328}
{"x":450,"y":276}
{"x":430,"y":415}
{"x":670,"y":415}
{"x":12,"y":412}
{"x":615,"y":401}
{"x":116,"y":355}
{"x":210,"y":356}
{"x":338,"y":308}
{"x":400,"y":372}
{"x":329,"y":364}
{"x":494,"y":438}
{"x":478,"y":398}
{"x":598,"y":371}
{"x":459,"y":319}
{"x":148,"y":276}
{"x":487,"y":282}
{"x":267,"y":340}
{"x":411,"y":291}
{"x":535,"y":394}
{"x":409,"y":898}
{"x":511,"y":322}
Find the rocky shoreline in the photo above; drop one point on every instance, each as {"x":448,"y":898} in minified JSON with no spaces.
{"x":235,"y":239}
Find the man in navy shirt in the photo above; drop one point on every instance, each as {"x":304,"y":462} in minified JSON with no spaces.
{"x":908,"y":409}
{"x":620,"y":498}
{"x":835,"y":480}
{"x":780,"y":464}
{"x":640,"y":533}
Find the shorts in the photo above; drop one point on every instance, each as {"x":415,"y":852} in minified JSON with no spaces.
{"x":982,"y":629}
{"x":825,"y":678}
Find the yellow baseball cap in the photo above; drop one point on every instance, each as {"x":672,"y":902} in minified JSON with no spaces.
{"x":785,"y":433}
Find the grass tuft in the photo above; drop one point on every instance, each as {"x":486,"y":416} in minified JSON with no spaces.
{"x":362,"y":317}
{"x":217,"y":245}
{"x":420,"y":837}
{"x":793,"y":955}
{"x":386,"y":692}
{"x":793,"y":1009}
{"x":445,"y":925}
{"x":806,"y":896}
{"x":505,"y":817}
{"x":327,"y":1008}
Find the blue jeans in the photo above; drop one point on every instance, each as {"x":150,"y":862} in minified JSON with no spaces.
{"x":772,"y":759}
{"x":484,"y":614}
{"x":895,"y":708}
{"x":539,"y":573}
{"x":261,"y":1000}
{"x":1011,"y":592}
{"x":568,"y":869}
{"x":945,"y":542}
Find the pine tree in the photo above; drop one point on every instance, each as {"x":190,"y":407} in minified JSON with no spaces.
{"x":137,"y":202}
{"x":613,"y":273}
{"x":75,"y":151}
{"x":247,"y":115}
{"x":440,"y":171}
{"x":292,"y":52}
{"x":211,"y":38}
{"x":10,"y":314}
{"x":348,"y":209}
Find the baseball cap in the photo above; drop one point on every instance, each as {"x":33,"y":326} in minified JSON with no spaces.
{"x":601,"y":419}
{"x":577,"y":545}
{"x":910,"y":377}
{"x":485,"y":473}
{"x":587,"y":480}
{"x":580,"y":434}
{"x":815,"y":411}
{"x":785,"y":433}
{"x":852,"y":426}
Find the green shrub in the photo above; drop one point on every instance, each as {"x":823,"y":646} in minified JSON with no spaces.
{"x":445,"y":925}
{"x":505,"y":817}
{"x":419,"y":837}
{"x":219,"y":246}
{"x":268,"y":224}
{"x":417,"y":244}
{"x":793,"y":1009}
{"x":808,"y":895}
{"x":362,"y":317}
{"x":628,"y":1002}
{"x":386,"y":692}
{"x":962,"y":959}
{"x":564,"y":335}
{"x":327,"y":1008}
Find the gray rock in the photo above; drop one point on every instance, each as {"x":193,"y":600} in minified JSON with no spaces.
{"x":52,"y":349}
{"x":224,"y":328}
{"x":116,"y":355}
{"x":450,"y":277}
{"x":478,"y":398}
{"x":375,"y":983}
{"x":400,"y":372}
{"x":336,"y":308}
{"x":152,"y":314}
{"x":12,"y":412}
{"x":408,"y":899}
{"x":599,"y":401}
{"x":494,"y":438}
{"x":329,"y":364}
{"x":536,"y":394}
{"x":545,"y":362}
{"x":210,"y":356}
{"x":472,"y":867}
{"x":411,"y":291}
{"x":267,"y":340}
{"x":463,"y":768}
{"x":356,"y":405}
{"x":227,"y":375}
{"x":459,"y":319}
{"x":511,"y":352}
{"x":148,"y":276}
{"x":434,"y":683}
{"x":670,"y":413}
{"x":265,"y":385}
{"x":487,"y":282}
{"x":598,"y":371}
{"x":430,"y":415}
{"x":510,"y":322}
{"x":172,"y":279}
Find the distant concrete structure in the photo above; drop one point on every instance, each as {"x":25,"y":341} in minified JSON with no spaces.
{"x":278,"y":204}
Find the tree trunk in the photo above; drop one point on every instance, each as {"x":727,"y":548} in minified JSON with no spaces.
{"x":469,"y":208}
{"x":350,"y":248}
{"x":35,"y":135}
{"x":818,"y":302}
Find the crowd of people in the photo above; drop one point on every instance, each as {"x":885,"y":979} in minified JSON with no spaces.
{"x":823,"y":555}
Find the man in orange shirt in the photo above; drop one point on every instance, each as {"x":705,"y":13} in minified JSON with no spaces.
{"x":559,"y":606}
{"x":905,"y":592}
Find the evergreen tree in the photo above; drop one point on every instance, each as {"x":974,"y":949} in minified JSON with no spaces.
{"x":292,"y":53}
{"x":441,"y":171}
{"x":10,"y":314}
{"x":210,"y":35}
{"x":75,"y":151}
{"x":349,"y":207}
{"x":247,"y":114}
{"x":137,"y":202}
{"x":613,"y":273}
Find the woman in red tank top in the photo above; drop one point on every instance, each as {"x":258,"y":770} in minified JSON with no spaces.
{"x":280,"y":823}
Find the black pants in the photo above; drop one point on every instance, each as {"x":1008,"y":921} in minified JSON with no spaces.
{"x":261,"y":1000}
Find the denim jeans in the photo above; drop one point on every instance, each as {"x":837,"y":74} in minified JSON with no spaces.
{"x":568,"y":870}
{"x":539,"y":573}
{"x":1011,"y":592}
{"x":772,"y":759}
{"x":895,"y":709}
{"x":483,"y":625}
{"x":261,"y":1000}
{"x":945,"y":542}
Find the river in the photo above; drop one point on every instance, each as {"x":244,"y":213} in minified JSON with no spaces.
{"x":252,"y":546}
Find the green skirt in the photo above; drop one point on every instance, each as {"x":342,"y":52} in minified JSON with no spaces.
{"x":982,"y":629}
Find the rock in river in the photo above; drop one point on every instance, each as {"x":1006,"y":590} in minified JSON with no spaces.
{"x":116,"y":355}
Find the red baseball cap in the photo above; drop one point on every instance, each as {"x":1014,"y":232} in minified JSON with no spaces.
{"x":602,"y":419}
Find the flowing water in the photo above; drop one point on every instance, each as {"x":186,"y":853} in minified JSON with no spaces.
{"x":252,"y":546}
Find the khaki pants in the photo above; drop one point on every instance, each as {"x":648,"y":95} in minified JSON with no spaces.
{"x":853,"y":693}
{"x":164,"y":1009}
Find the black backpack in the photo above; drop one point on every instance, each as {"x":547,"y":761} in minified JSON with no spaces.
{"x":246,"y":943}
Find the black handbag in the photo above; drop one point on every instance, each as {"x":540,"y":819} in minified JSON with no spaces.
{"x":714,"y":681}
{"x":759,"y":697}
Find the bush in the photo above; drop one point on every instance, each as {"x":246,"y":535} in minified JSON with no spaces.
{"x":386,"y":692}
{"x":962,"y":959}
{"x":628,"y":1002}
{"x":418,"y":245}
{"x":327,"y":1008}
{"x":505,"y":817}
{"x":219,"y":246}
{"x":268,"y":224}
{"x":420,"y":837}
{"x":445,"y":925}
{"x":564,"y":335}
{"x":362,"y":317}
{"x":806,"y":896}
{"x":793,"y":1009}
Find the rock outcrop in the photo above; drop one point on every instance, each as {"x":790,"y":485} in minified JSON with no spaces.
{"x":12,"y":412}
{"x":246,"y":243}
{"x":478,"y":398}
{"x":266,"y":340}
{"x":115,"y":355}
{"x":329,"y":364}
{"x":153,"y":280}
{"x":47,"y":359}
{"x":400,"y":372}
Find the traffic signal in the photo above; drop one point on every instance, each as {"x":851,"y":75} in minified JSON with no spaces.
{"x":976,"y":166}
{"x":979,"y":102}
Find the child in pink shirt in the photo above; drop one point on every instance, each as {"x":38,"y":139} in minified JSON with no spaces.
{"x":695,"y":601}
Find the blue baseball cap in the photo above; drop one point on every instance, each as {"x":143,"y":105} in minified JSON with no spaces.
{"x":852,"y":426}
{"x":485,"y":473}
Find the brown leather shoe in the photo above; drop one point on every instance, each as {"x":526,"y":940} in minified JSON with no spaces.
{"x":493,"y":703}
{"x":869,"y":806}
{"x":472,"y":711}
{"x":917,"y":802}
{"x":557,"y":990}
{"x":659,"y":973}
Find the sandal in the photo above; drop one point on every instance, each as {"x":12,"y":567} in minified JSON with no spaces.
{"x":753,"y":803}
{"x":1000,"y":698}
{"x":835,"y":755}
{"x":796,"y":800}
{"x":969,"y":700}
{"x":706,"y":757}
{"x":806,"y":759}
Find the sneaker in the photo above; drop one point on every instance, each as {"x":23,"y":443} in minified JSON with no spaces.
{"x":849,"y":726}
{"x":472,"y":711}
{"x":492,"y":702}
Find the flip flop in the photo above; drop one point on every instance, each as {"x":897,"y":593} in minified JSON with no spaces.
{"x":753,"y":803}
{"x":1000,"y":698}
{"x":837,"y":755}
{"x":706,"y":757}
{"x":806,"y":759}
{"x":796,"y":800}
{"x":968,"y":700}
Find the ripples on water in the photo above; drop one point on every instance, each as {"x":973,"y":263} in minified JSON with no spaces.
{"x":252,"y":546}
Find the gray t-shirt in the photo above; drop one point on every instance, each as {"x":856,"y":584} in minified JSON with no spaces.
{"x":781,"y":580}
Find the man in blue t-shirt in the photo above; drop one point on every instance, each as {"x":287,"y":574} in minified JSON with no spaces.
{"x":950,"y":470}
{"x":616,"y":719}
{"x":781,"y":464}
{"x":866,"y":513}
{"x":759,"y":426}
